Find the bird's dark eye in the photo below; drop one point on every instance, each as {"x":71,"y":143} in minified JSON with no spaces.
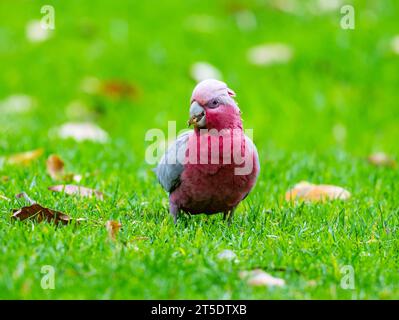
{"x":213,"y":103}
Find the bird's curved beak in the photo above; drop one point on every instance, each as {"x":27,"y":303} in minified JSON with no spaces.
{"x":197,"y":115}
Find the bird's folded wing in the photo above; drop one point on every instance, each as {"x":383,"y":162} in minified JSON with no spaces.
{"x":252,"y":147}
{"x":171,"y":165}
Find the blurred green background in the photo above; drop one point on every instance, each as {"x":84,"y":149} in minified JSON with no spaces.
{"x":337,"y":77}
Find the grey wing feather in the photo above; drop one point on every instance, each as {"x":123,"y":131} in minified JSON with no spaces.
{"x":256,"y":154}
{"x":171,"y":165}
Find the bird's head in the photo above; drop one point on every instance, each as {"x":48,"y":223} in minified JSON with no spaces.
{"x":213,"y":106}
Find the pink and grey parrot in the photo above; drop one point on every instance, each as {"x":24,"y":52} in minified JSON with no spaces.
{"x":212,"y":168}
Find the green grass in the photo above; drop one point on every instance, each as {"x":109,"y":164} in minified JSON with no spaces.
{"x":338,"y":78}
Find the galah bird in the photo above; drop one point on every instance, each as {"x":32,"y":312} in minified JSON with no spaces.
{"x":200,"y":177}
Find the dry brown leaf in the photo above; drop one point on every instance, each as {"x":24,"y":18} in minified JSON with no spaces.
{"x":24,"y":158}
{"x":113,"y":228}
{"x":259,"y":277}
{"x":119,"y":89}
{"x":71,"y":189}
{"x":380,"y":159}
{"x":39,"y":213}
{"x":312,"y":192}
{"x":114,"y":89}
{"x":55,"y":166}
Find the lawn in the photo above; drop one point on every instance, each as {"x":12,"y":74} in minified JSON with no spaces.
{"x":316,"y":117}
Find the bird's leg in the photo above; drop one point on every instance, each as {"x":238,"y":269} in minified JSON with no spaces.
{"x":228,"y":215}
{"x":174,"y":210}
{"x":225,"y":215}
{"x":230,"y":218}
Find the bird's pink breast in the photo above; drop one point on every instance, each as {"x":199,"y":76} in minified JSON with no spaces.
{"x":214,"y":187}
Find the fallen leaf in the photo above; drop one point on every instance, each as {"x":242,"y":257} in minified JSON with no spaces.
{"x":113,"y":228}
{"x":202,"y":70}
{"x":24,"y":158}
{"x":269,"y":54}
{"x":17,"y":103}
{"x":4,"y":178}
{"x":380,"y":159}
{"x":83,"y":131}
{"x":227,"y":255}
{"x":39,"y":213}
{"x":55,"y":166}
{"x":115,"y":89}
{"x":71,"y":189}
{"x":312,"y":192}
{"x":119,"y":89}
{"x":35,"y":32}
{"x":259,"y":277}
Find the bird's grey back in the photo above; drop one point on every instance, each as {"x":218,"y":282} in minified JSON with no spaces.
{"x":171,"y":166}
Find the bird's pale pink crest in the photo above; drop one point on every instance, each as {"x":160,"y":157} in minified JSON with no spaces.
{"x":209,"y":89}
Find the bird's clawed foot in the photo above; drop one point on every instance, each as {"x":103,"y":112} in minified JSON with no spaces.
{"x":174,"y":217}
